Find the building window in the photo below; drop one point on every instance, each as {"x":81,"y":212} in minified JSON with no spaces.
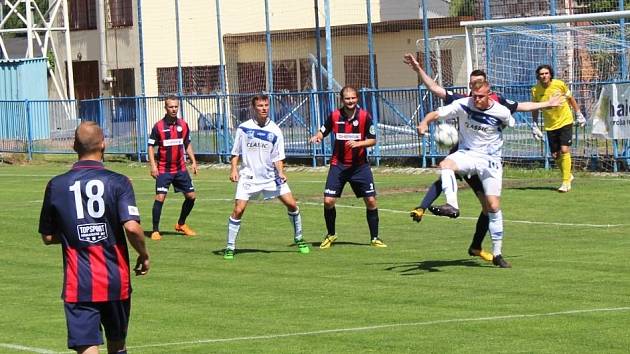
{"x":196,"y":80}
{"x":357,"y":69}
{"x":82,"y":14}
{"x":124,"y":84}
{"x":285,"y":75}
{"x":120,"y":13}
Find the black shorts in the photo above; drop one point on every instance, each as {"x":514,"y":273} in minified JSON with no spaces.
{"x":84,"y":321}
{"x":560,"y":137}
{"x":359,"y":177}
{"x":181,"y":182}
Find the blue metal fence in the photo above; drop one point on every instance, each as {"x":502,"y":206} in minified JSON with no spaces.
{"x":127,"y":121}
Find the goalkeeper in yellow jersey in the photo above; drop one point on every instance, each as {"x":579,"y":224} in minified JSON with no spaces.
{"x":558,"y":121}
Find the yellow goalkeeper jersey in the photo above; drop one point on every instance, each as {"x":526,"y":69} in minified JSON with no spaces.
{"x":554,"y":117}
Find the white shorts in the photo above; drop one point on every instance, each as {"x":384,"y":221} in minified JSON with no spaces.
{"x":488,"y":168}
{"x":245,"y":190}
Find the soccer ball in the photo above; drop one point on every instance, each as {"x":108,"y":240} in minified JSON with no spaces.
{"x":445,"y":135}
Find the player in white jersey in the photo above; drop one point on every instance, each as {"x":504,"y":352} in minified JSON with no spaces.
{"x":259,"y":144}
{"x":481,"y":121}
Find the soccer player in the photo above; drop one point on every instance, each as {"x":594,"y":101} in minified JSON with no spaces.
{"x":558,"y":121}
{"x":481,"y":121}
{"x":435,"y":189}
{"x":259,"y":143}
{"x":88,"y":210}
{"x":354,"y":132}
{"x":172,"y":137}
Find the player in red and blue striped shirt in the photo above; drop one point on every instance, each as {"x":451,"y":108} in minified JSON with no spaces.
{"x":172,"y":137}
{"x":88,"y":210}
{"x":354,"y":132}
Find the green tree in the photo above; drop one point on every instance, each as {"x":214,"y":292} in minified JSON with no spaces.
{"x":14,"y":21}
{"x":462,"y":8}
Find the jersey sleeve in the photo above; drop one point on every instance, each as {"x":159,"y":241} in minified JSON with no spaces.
{"x":126,"y":201}
{"x":277,"y":153}
{"x":154,"y":137}
{"x":186,"y":137}
{"x":533,"y":91}
{"x":452,"y":97}
{"x":238,"y":137}
{"x":452,"y":110}
{"x":47,"y":216}
{"x":566,"y":91}
{"x":326,"y":128}
{"x":370,"y":129}
{"x":511,"y":105}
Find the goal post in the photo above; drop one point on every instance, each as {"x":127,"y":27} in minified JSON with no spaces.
{"x":586,"y":51}
{"x":601,"y":25}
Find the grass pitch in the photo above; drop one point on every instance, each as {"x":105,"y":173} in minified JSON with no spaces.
{"x":567,"y":291}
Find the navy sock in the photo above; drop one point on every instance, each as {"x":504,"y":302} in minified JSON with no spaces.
{"x":432,"y":194}
{"x":186,"y":208}
{"x":330,"y":215}
{"x":372,"y":220}
{"x":157,"y":212}
{"x":480,"y":231}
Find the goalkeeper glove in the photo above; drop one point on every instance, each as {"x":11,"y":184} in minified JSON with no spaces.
{"x":580,"y":119}
{"x":538,"y":135}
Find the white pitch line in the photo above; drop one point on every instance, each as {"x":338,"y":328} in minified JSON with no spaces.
{"x":544,"y":223}
{"x":25,"y":349}
{"x":475,"y":218}
{"x":375,"y":327}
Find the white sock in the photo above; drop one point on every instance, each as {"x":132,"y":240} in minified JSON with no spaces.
{"x":449,"y":187}
{"x":296,"y":220}
{"x":496,"y":231}
{"x":233,"y":228}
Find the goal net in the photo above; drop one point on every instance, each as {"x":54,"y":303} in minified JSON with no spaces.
{"x":586,"y":51}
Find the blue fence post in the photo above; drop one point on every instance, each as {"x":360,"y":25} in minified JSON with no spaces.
{"x":421,"y":115}
{"x":29,"y":129}
{"x":377,"y":148}
{"x":138,"y":129}
{"x":269,"y":61}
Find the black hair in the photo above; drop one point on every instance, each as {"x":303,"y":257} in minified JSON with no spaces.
{"x":544,"y":66}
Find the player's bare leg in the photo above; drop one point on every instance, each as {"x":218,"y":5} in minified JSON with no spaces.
{"x":296,"y":221}
{"x":234,"y":226}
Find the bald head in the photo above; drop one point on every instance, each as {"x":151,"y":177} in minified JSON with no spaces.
{"x":88,"y":139}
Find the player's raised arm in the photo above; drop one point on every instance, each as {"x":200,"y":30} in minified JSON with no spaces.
{"x":554,"y":101}
{"x":427,"y":81}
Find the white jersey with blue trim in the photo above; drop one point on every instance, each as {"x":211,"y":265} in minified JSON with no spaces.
{"x":259,"y":147}
{"x":479,"y":130}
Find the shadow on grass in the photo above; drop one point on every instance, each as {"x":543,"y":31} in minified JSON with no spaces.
{"x":415,"y":268}
{"x":338,"y":244}
{"x":249,"y":250}
{"x":535,"y":188}
{"x":163,"y":233}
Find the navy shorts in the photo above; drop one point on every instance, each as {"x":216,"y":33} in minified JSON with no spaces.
{"x":359,"y":177}
{"x":560,"y":137}
{"x":181,"y":182}
{"x":84,"y":321}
